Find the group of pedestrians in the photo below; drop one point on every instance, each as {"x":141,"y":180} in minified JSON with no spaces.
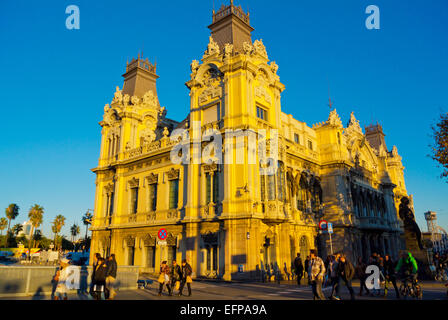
{"x":175,"y":277}
{"x":104,"y":273}
{"x":441,"y":266}
{"x":338,"y":270}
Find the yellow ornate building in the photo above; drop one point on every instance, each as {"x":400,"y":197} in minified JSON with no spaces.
{"x":230,"y":219}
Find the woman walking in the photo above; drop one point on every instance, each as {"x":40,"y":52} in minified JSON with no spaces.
{"x":164,"y":278}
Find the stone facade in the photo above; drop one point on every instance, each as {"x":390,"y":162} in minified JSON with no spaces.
{"x":229,"y":220}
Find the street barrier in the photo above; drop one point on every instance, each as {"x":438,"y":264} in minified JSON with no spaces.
{"x":37,"y":280}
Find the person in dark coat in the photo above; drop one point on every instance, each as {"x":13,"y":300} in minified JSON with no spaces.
{"x":360,"y":272}
{"x":100,"y":278}
{"x":111,"y":275}
{"x":346,"y":272}
{"x":298,"y":268}
{"x":96,"y":258}
{"x":176,"y":275}
{"x":389,"y":274}
{"x":186,"y":277}
{"x":307,"y":265}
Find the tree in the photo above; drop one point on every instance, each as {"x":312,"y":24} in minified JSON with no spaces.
{"x":37,"y":237}
{"x":35,"y":215}
{"x":11,"y":213}
{"x":16,"y":229}
{"x":58,"y":223}
{"x":87,"y":219}
{"x":440,"y":147}
{"x":74,"y":231}
{"x":3,"y":225}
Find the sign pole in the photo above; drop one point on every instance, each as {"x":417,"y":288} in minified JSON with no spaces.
{"x":331,"y":245}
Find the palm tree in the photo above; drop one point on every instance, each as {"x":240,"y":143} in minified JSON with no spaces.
{"x":74,"y":231}
{"x":11,"y":213}
{"x":3,"y":224}
{"x":87,"y":219}
{"x":58,"y":223}
{"x":16,"y":229}
{"x":37,"y":237}
{"x":36,"y":217}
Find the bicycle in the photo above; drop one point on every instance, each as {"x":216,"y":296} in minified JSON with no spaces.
{"x":410,"y":288}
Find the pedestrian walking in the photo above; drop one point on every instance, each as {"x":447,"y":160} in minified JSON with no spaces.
{"x":176,"y":276}
{"x":346,"y":272}
{"x":96,"y":258}
{"x":334,"y":276}
{"x":316,"y":273}
{"x":111,"y":275}
{"x":164,"y":278}
{"x":390,"y":275}
{"x":186,"y":277}
{"x":61,"y":278}
{"x":307,"y":265}
{"x":298,"y":268}
{"x":99,"y":283}
{"x":360,"y":272}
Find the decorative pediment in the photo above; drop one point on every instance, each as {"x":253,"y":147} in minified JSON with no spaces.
{"x":152,"y":178}
{"x":173,"y":174}
{"x":262,"y":92}
{"x":334,"y":119}
{"x":129,"y":241}
{"x":109,"y":188}
{"x":210,"y":93}
{"x":212,"y":167}
{"x":171,"y":240}
{"x":149,"y":240}
{"x":210,"y":238}
{"x":133,"y":183}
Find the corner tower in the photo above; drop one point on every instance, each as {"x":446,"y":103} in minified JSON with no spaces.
{"x":231,"y":25}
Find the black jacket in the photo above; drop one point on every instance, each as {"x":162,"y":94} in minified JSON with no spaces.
{"x":176,"y":273}
{"x":298,"y":265}
{"x":346,"y":270}
{"x":186,"y":271}
{"x":100,"y":273}
{"x":111,"y":268}
{"x":389,"y":268}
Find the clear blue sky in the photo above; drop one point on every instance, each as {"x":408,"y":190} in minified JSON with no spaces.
{"x":56,"y":81}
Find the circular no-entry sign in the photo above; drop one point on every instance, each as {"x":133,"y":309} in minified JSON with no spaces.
{"x":323,"y":225}
{"x":162,"y":234}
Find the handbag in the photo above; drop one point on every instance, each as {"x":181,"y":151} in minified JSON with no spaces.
{"x":161,"y":278}
{"x":189,"y":280}
{"x":177,"y":285}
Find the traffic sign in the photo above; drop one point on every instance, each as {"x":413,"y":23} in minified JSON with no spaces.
{"x":330,"y":227}
{"x":323,"y":225}
{"x":162,"y":234}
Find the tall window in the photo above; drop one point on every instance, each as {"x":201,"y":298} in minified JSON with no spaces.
{"x":211,"y":184}
{"x":310,"y":144}
{"x":296,"y":138}
{"x":111,"y":204}
{"x":134,"y":199}
{"x":281,"y":181}
{"x":150,"y":257}
{"x":262,"y":113}
{"x":302,"y":194}
{"x":271,"y":187}
{"x":174,"y":193}
{"x":153,"y":196}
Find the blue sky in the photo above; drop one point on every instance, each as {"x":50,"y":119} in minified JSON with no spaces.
{"x":56,"y":81}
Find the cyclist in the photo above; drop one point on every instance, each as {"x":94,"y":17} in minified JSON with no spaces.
{"x":407,"y":267}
